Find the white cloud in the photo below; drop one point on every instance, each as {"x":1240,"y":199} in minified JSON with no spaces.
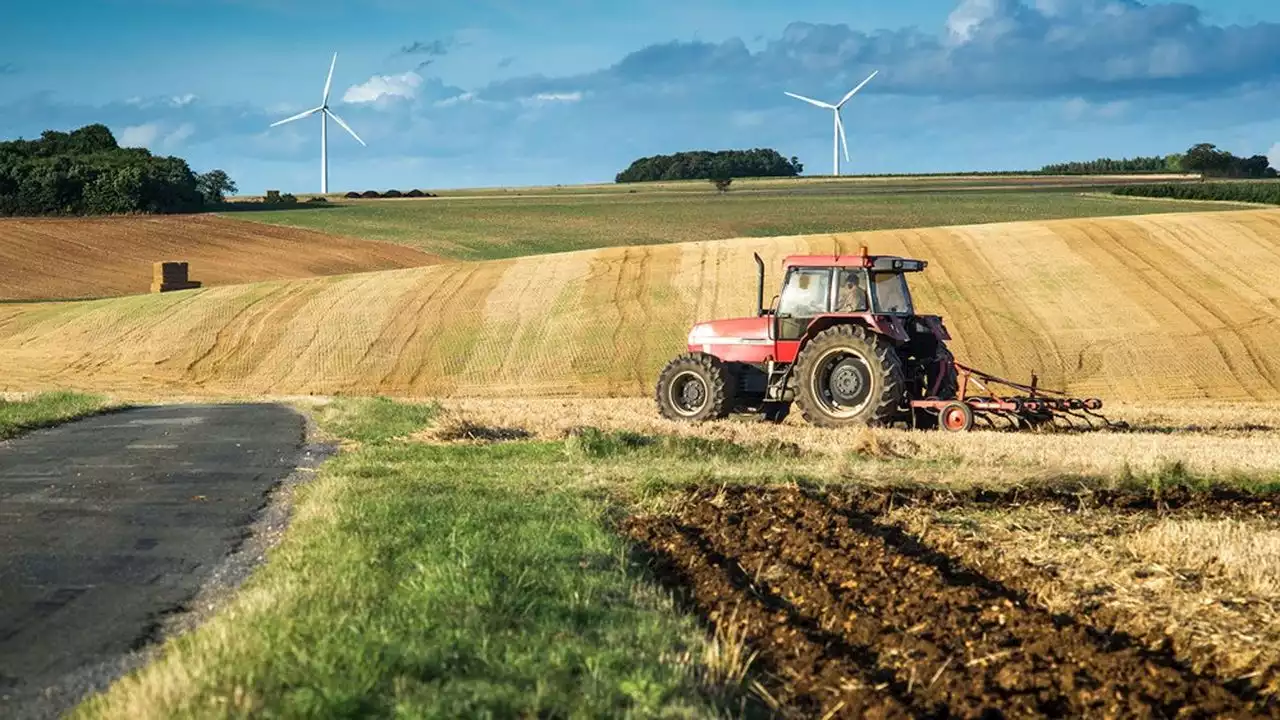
{"x":574,"y":96}
{"x":155,"y":135}
{"x":457,"y":100}
{"x":180,"y":100}
{"x":139,"y":136}
{"x":179,"y":135}
{"x":378,"y":87}
{"x":1078,"y":108}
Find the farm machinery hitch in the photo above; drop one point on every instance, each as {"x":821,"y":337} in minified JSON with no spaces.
{"x":1035,"y":408}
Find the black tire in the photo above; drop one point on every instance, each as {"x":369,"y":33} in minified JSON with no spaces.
{"x":775,"y":412}
{"x":695,"y":387}
{"x":849,"y":376}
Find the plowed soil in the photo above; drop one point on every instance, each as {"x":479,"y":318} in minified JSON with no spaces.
{"x":100,"y":257}
{"x":1156,"y":307}
{"x":854,"y":617}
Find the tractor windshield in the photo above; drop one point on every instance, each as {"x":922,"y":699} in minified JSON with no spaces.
{"x":891,"y":294}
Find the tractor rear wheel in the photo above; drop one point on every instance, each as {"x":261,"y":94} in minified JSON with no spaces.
{"x":695,"y":387}
{"x":849,"y":376}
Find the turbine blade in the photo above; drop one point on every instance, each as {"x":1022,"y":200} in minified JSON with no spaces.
{"x":845,"y":99}
{"x":811,"y":101}
{"x":344,"y":126}
{"x":329,"y":80}
{"x":299,"y":116}
{"x":843,"y":140}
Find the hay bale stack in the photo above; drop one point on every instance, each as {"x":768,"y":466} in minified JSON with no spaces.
{"x":168,"y":276}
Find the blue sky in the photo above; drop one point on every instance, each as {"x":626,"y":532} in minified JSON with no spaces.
{"x":511,"y":92}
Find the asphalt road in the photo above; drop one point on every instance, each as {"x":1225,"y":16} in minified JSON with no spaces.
{"x":110,"y":524}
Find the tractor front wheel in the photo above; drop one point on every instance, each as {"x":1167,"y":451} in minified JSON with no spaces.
{"x":849,"y":376}
{"x":695,"y":387}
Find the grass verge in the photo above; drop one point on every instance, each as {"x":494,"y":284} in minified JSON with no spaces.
{"x":439,"y":581}
{"x":46,"y":409}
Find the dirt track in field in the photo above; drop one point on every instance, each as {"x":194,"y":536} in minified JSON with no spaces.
{"x":53,"y":258}
{"x":1157,"y":307}
{"x":853,"y":617}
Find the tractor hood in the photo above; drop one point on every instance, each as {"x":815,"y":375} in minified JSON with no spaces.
{"x":731,"y":331}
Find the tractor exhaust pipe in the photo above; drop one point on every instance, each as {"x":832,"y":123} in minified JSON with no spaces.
{"x":759,"y":284}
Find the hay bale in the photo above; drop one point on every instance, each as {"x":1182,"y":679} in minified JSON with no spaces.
{"x":171,"y":275}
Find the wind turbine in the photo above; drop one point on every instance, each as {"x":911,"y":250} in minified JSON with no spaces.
{"x":325,"y":114}
{"x":838,"y":133}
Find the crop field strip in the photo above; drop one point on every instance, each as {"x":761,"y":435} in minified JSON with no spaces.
{"x":56,"y":258}
{"x":855,"y":617}
{"x":497,"y":224}
{"x":1143,"y":308}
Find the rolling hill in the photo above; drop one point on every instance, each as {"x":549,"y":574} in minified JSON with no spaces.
{"x":1183,"y":305}
{"x":49,"y":258}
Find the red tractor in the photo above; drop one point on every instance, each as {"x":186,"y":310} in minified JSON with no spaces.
{"x":844,"y":343}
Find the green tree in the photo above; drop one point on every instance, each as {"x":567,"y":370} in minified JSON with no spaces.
{"x":214,"y":186}
{"x":85,"y":171}
{"x":706,"y":165}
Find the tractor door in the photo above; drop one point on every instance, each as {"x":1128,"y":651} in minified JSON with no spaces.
{"x":806,"y":294}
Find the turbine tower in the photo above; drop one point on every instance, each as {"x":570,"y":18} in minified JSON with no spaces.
{"x":325,"y":114}
{"x":838,"y":133}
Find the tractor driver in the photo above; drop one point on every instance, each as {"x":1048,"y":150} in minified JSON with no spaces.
{"x":851,"y":297}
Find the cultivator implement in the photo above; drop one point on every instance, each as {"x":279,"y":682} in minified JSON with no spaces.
{"x":1035,"y":408}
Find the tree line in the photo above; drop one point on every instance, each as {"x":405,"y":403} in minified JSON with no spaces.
{"x":709,"y":165}
{"x":86,"y":172}
{"x":1204,"y":158}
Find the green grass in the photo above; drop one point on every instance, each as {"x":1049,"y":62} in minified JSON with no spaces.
{"x":46,"y":409}
{"x":501,"y":226}
{"x":375,"y":420}
{"x":425,"y":580}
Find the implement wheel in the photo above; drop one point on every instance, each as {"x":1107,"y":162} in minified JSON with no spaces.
{"x":847,"y":375}
{"x":955,"y":417}
{"x":695,"y":387}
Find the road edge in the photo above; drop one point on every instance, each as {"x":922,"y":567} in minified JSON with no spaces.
{"x":266,"y":529}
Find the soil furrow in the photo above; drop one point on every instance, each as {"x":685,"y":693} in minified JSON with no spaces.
{"x":811,"y":671}
{"x":954,"y":641}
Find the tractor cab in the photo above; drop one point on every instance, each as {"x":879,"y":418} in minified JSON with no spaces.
{"x":815,"y":286}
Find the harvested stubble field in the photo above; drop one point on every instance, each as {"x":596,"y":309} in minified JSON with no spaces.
{"x":52,"y":258}
{"x":532,"y":220}
{"x":1166,"y":306}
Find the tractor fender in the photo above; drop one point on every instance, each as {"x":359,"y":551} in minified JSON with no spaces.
{"x":891,"y":327}
{"x":935,"y":325}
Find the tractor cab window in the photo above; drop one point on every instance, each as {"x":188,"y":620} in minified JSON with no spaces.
{"x":851,"y":291}
{"x":891,"y":294}
{"x":807,"y":292}
{"x":805,"y":295}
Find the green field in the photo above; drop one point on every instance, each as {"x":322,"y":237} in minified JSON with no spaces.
{"x":533,"y":221}
{"x":421,"y":580}
{"x":46,"y":409}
